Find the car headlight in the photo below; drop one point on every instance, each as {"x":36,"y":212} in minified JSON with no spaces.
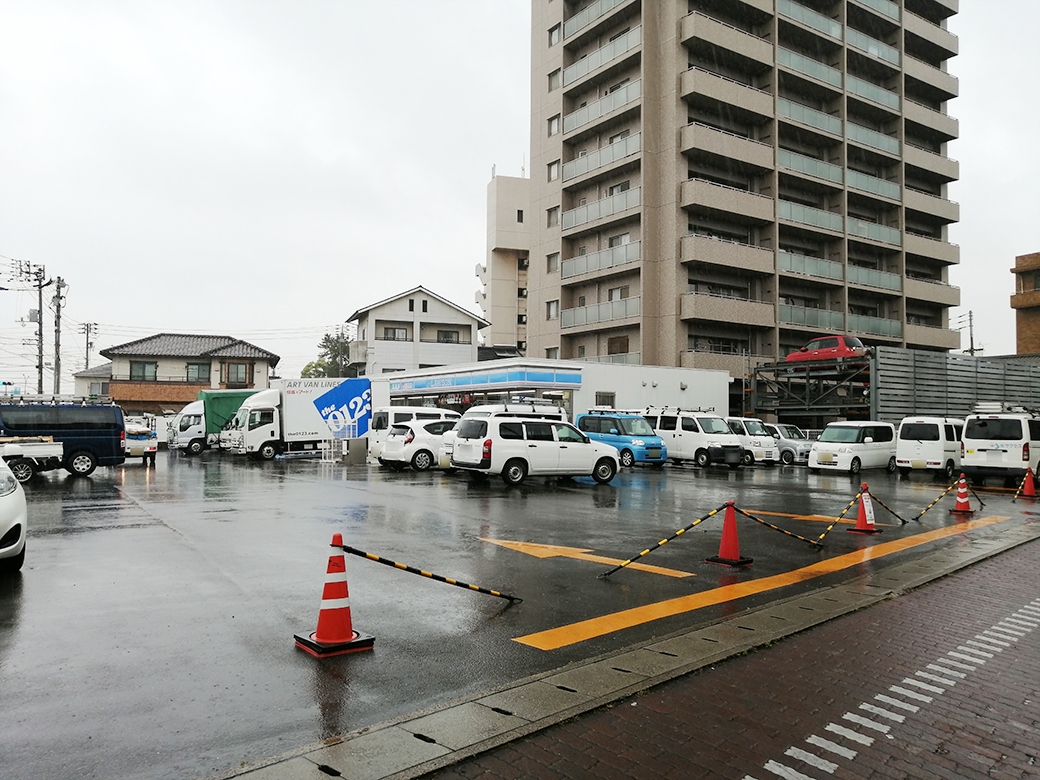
{"x":8,"y":484}
{"x":845,"y":450}
{"x":639,"y":442}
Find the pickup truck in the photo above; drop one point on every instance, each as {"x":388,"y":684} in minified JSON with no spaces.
{"x":27,"y":457}
{"x":140,"y":442}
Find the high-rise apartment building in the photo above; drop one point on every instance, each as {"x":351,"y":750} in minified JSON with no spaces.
{"x":715,"y":182}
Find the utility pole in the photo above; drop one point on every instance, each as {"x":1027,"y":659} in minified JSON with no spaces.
{"x":35,"y":275}
{"x":57,"y":300}
{"x":88,"y":328}
{"x":971,"y":332}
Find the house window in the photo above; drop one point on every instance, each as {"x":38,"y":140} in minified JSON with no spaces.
{"x":552,"y":263}
{"x":554,"y":125}
{"x":520,"y":215}
{"x":554,"y":80}
{"x":552,"y":310}
{"x":395,"y":334}
{"x":448,"y":336}
{"x":198,"y":372}
{"x":553,"y":170}
{"x":617,"y":293}
{"x":141,"y":371}
{"x":552,"y":216}
{"x":617,"y":189}
{"x":237,"y":373}
{"x":617,"y":345}
{"x":619,"y":240}
{"x":554,"y":35}
{"x":425,"y":303}
{"x":99,"y":388}
{"x":411,"y":304}
{"x":552,"y":353}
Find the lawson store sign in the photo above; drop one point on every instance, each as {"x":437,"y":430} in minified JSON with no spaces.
{"x":491,"y":380}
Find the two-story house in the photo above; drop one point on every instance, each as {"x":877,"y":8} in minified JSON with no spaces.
{"x":415,"y":329}
{"x":166,"y":371}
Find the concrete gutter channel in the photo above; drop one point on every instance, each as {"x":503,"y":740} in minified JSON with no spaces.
{"x":421,"y":742}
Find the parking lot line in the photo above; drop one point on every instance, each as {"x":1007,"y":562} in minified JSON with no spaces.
{"x":589,"y":629}
{"x":814,"y":518}
{"x":554,"y":551}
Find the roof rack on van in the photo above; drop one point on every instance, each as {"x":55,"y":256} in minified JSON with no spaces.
{"x":1003,"y":407}
{"x":679,"y":409}
{"x":55,"y":400}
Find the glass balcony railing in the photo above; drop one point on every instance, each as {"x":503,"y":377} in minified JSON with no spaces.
{"x":808,"y":215}
{"x":600,"y":312}
{"x":879,"y":326}
{"x":810,"y":165}
{"x":871,"y":277}
{"x":872,"y":91}
{"x":808,"y":66}
{"x":872,"y":138}
{"x":593,"y":111}
{"x":597,"y":261}
{"x":602,"y":156}
{"x":588,"y":15}
{"x":874,"y":231}
{"x":809,"y":116}
{"x":867,"y":183}
{"x":628,"y":358}
{"x":603,"y":55}
{"x":809,"y":18}
{"x":812,"y":318}
{"x":811,"y":266}
{"x":886,"y":7}
{"x":858,"y":40}
{"x":614,"y":204}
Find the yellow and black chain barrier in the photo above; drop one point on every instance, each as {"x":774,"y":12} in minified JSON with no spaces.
{"x":649,"y":550}
{"x":852,"y":503}
{"x":885,"y":507}
{"x":937,"y":500}
{"x":420,"y":572}
{"x":776,"y":527}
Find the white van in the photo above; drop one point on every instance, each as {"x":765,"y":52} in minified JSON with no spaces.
{"x":855,"y":445}
{"x":758,"y":443}
{"x":514,"y":409}
{"x":693,"y":434}
{"x":932,"y":443}
{"x":384,"y":417}
{"x":1000,"y":440}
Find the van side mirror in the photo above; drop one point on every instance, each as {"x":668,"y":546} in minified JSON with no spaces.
{"x":868,"y":440}
{"x":614,"y":431}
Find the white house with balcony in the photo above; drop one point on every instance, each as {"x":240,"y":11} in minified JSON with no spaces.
{"x":412,"y":330}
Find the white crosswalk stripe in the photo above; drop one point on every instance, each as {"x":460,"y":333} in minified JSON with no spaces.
{"x":811,"y":759}
{"x":833,"y":747}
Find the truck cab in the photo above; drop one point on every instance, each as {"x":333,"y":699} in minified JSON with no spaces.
{"x":258,"y":434}
{"x":188,"y":429}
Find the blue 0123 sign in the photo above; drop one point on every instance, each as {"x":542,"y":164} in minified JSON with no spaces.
{"x":347,"y":408}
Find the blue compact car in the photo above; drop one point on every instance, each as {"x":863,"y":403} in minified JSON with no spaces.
{"x":630,"y":434}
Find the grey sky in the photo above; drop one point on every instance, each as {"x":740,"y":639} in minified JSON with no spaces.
{"x":263,"y":168}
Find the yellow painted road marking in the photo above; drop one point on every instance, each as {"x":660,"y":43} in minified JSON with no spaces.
{"x":815,"y":518}
{"x":607,"y":624}
{"x":553,"y":551}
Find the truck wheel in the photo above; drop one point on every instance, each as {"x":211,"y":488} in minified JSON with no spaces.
{"x":23,"y":469}
{"x":702,"y":458}
{"x":81,"y":464}
{"x":267,"y":451}
{"x":627,"y":459}
{"x":194,"y":447}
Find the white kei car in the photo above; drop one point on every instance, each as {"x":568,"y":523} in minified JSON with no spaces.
{"x":414,"y":443}
{"x":13,"y":517}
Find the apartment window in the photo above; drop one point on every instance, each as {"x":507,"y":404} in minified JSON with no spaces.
{"x":619,"y":136}
{"x":198,"y":372}
{"x":236,"y":373}
{"x":615,"y":36}
{"x":554,"y":80}
{"x":395,"y":334}
{"x":520,"y":215}
{"x":617,"y":189}
{"x":617,"y":293}
{"x":425,"y":304}
{"x":554,"y":170}
{"x":617,"y":86}
{"x":552,"y":310}
{"x":617,"y":345}
{"x":581,"y":250}
{"x":521,"y":346}
{"x":552,"y":353}
{"x":554,"y":125}
{"x":554,"y":35}
{"x":581,"y":351}
{"x":552,"y":216}
{"x":448,"y":337}
{"x":521,"y":319}
{"x":581,"y":300}
{"x":552,"y":263}
{"x":411,"y":304}
{"x":619,"y":240}
{"x":521,"y":292}
{"x":141,"y":371}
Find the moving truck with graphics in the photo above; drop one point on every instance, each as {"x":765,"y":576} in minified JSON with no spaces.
{"x":197,"y":426}
{"x":295,"y":416}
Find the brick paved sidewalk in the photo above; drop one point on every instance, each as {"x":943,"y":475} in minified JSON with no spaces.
{"x":943,"y":682}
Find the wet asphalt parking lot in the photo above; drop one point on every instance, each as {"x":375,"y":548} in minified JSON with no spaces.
{"x":150,"y":634}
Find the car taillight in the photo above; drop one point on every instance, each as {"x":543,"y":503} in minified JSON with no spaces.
{"x":962,"y":449}
{"x":122,"y":438}
{"x":1025,"y":451}
{"x":485,"y":451}
{"x":408,"y":439}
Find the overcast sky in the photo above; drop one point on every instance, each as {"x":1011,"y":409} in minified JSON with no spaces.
{"x":263,"y":168}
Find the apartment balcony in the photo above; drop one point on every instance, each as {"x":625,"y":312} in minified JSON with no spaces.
{"x":932,"y":248}
{"x":937,"y":121}
{"x":602,"y":159}
{"x":872,"y":138}
{"x":587,"y":17}
{"x":725,"y":144}
{"x":797,"y":112}
{"x":809,"y":215}
{"x":612,"y":104}
{"x":946,"y":210}
{"x":816,"y":267}
{"x":719,"y":197}
{"x":357,"y":352}
{"x":875,"y":93}
{"x":623,"y":358}
{"x":872,"y":46}
{"x":935,"y":292}
{"x":697,"y":81}
{"x":939,"y":80}
{"x":605,"y":260}
{"x":736,"y":365}
{"x":872,"y":277}
{"x":933,"y":33}
{"x":875,"y":326}
{"x":946,"y":167}
{"x":807,"y":66}
{"x":713,"y":308}
{"x":884,"y":7}
{"x":701,"y":27}
{"x":610,"y":311}
{"x":802,"y":316}
{"x":613,"y":54}
{"x":936,"y":338}
{"x":806,"y":16}
{"x":1025,"y":300}
{"x":601,"y":210}
{"x":718,"y":251}
{"x":873,"y":231}
{"x":866,"y":183}
{"x":810,"y":166}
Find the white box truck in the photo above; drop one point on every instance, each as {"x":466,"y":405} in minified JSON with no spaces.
{"x":298,"y":415}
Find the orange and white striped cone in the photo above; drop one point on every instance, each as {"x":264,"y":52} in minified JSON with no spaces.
{"x":1029,"y":485}
{"x":962,"y":507}
{"x":335,"y":634}
{"x":865,"y":517}
{"x":729,"y":549}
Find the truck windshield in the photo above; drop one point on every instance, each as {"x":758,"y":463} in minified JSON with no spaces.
{"x":713,"y":425}
{"x":635,"y":426}
{"x":755,"y":428}
{"x":841,"y":434}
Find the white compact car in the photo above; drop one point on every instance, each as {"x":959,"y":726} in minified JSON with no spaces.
{"x":852,"y":446}
{"x":517,"y":447}
{"x":792,"y":442}
{"x":13,"y":517}
{"x":414,"y":444}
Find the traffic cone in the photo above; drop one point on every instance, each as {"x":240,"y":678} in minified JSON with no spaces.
{"x":729,"y":549}
{"x":963,"y":507}
{"x":865,"y":518}
{"x":1028,"y":488}
{"x":335,"y":635}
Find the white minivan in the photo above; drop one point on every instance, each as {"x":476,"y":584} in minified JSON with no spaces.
{"x":932,"y":443}
{"x":514,"y":409}
{"x":691,"y":434}
{"x":758,"y":443}
{"x":1001,"y":443}
{"x":854,"y":445}
{"x":385,"y":417}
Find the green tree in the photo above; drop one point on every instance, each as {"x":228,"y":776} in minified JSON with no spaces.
{"x":333,"y":358}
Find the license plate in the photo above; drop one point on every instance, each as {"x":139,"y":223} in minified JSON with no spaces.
{"x":653,"y":452}
{"x":995,"y":456}
{"x":917,"y":464}
{"x":826,"y":457}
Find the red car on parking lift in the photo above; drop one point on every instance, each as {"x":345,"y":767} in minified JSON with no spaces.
{"x":831,"y":348}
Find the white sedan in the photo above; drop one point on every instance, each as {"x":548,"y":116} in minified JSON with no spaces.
{"x":414,"y":443}
{"x":12,"y":521}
